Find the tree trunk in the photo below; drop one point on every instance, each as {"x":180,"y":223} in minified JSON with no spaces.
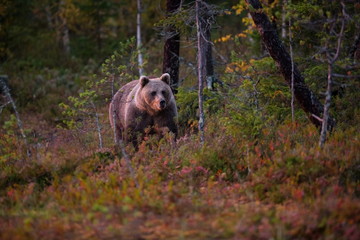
{"x":207,"y":20}
{"x":201,"y":44}
{"x":292,"y":69}
{"x":209,"y":62}
{"x":331,"y":62}
{"x":64,"y":36}
{"x":138,"y":38}
{"x":172,"y":47}
{"x":305,"y":97}
{"x":354,"y":52}
{"x":98,"y":30}
{"x":326,"y":107}
{"x":283,"y":19}
{"x":49,"y":17}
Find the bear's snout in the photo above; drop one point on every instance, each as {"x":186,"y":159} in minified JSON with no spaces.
{"x":162,"y":104}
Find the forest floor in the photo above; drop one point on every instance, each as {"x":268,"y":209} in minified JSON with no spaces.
{"x":278,"y":186}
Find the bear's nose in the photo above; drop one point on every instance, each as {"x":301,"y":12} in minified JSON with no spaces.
{"x":162,"y":104}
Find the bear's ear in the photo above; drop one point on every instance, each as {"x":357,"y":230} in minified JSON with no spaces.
{"x":144,"y":80}
{"x":165,"y":78}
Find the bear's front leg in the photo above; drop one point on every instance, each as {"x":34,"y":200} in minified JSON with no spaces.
{"x":166,"y":122}
{"x":135,"y":126}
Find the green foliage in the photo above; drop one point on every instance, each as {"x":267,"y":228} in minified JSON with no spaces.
{"x":116,"y":70}
{"x":120,"y":67}
{"x":180,"y":20}
{"x":12,"y":147}
{"x":188,"y":104}
{"x":258,"y":99}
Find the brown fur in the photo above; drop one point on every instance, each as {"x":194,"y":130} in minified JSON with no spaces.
{"x":141,"y":104}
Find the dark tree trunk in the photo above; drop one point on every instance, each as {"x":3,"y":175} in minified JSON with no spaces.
{"x":64,"y":36}
{"x":208,"y":53}
{"x":209,"y":63}
{"x":98,"y":31}
{"x":172,"y":47}
{"x":354,"y":50}
{"x":207,"y":20}
{"x":4,"y":40}
{"x":305,"y":97}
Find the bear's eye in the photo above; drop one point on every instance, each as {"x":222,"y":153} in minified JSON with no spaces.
{"x":153,"y":93}
{"x":163,"y":93}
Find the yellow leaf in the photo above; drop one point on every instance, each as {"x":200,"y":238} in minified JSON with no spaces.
{"x":242,"y":35}
{"x":229,"y":69}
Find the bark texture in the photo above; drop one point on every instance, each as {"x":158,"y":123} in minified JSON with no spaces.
{"x":354,"y":52}
{"x":207,"y":19}
{"x":172,"y":47}
{"x":201,"y":44}
{"x":138,"y":38}
{"x":305,"y":97}
{"x":63,"y":32}
{"x":331,"y":62}
{"x":209,"y":62}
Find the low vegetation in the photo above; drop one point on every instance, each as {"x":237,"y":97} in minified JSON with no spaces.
{"x":256,"y":180}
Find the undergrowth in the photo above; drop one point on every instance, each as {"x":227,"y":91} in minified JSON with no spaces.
{"x":278,"y":186}
{"x":258,"y":175}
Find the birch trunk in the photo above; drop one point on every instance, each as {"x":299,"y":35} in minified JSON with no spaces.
{"x":283,"y":20}
{"x":201,"y":65}
{"x":331,"y":62}
{"x":138,"y":38}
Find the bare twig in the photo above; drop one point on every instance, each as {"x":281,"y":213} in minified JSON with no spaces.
{"x":317,"y":117}
{"x":345,"y":76}
{"x":3,"y":106}
{"x":98,"y":125}
{"x":223,"y":59}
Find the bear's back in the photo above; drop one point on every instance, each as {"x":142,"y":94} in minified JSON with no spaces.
{"x":119,"y":101}
{"x":124,"y":92}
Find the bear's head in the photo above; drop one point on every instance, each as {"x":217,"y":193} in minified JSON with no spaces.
{"x":156,"y":93}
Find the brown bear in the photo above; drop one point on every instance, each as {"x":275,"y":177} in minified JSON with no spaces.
{"x":147,"y":103}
